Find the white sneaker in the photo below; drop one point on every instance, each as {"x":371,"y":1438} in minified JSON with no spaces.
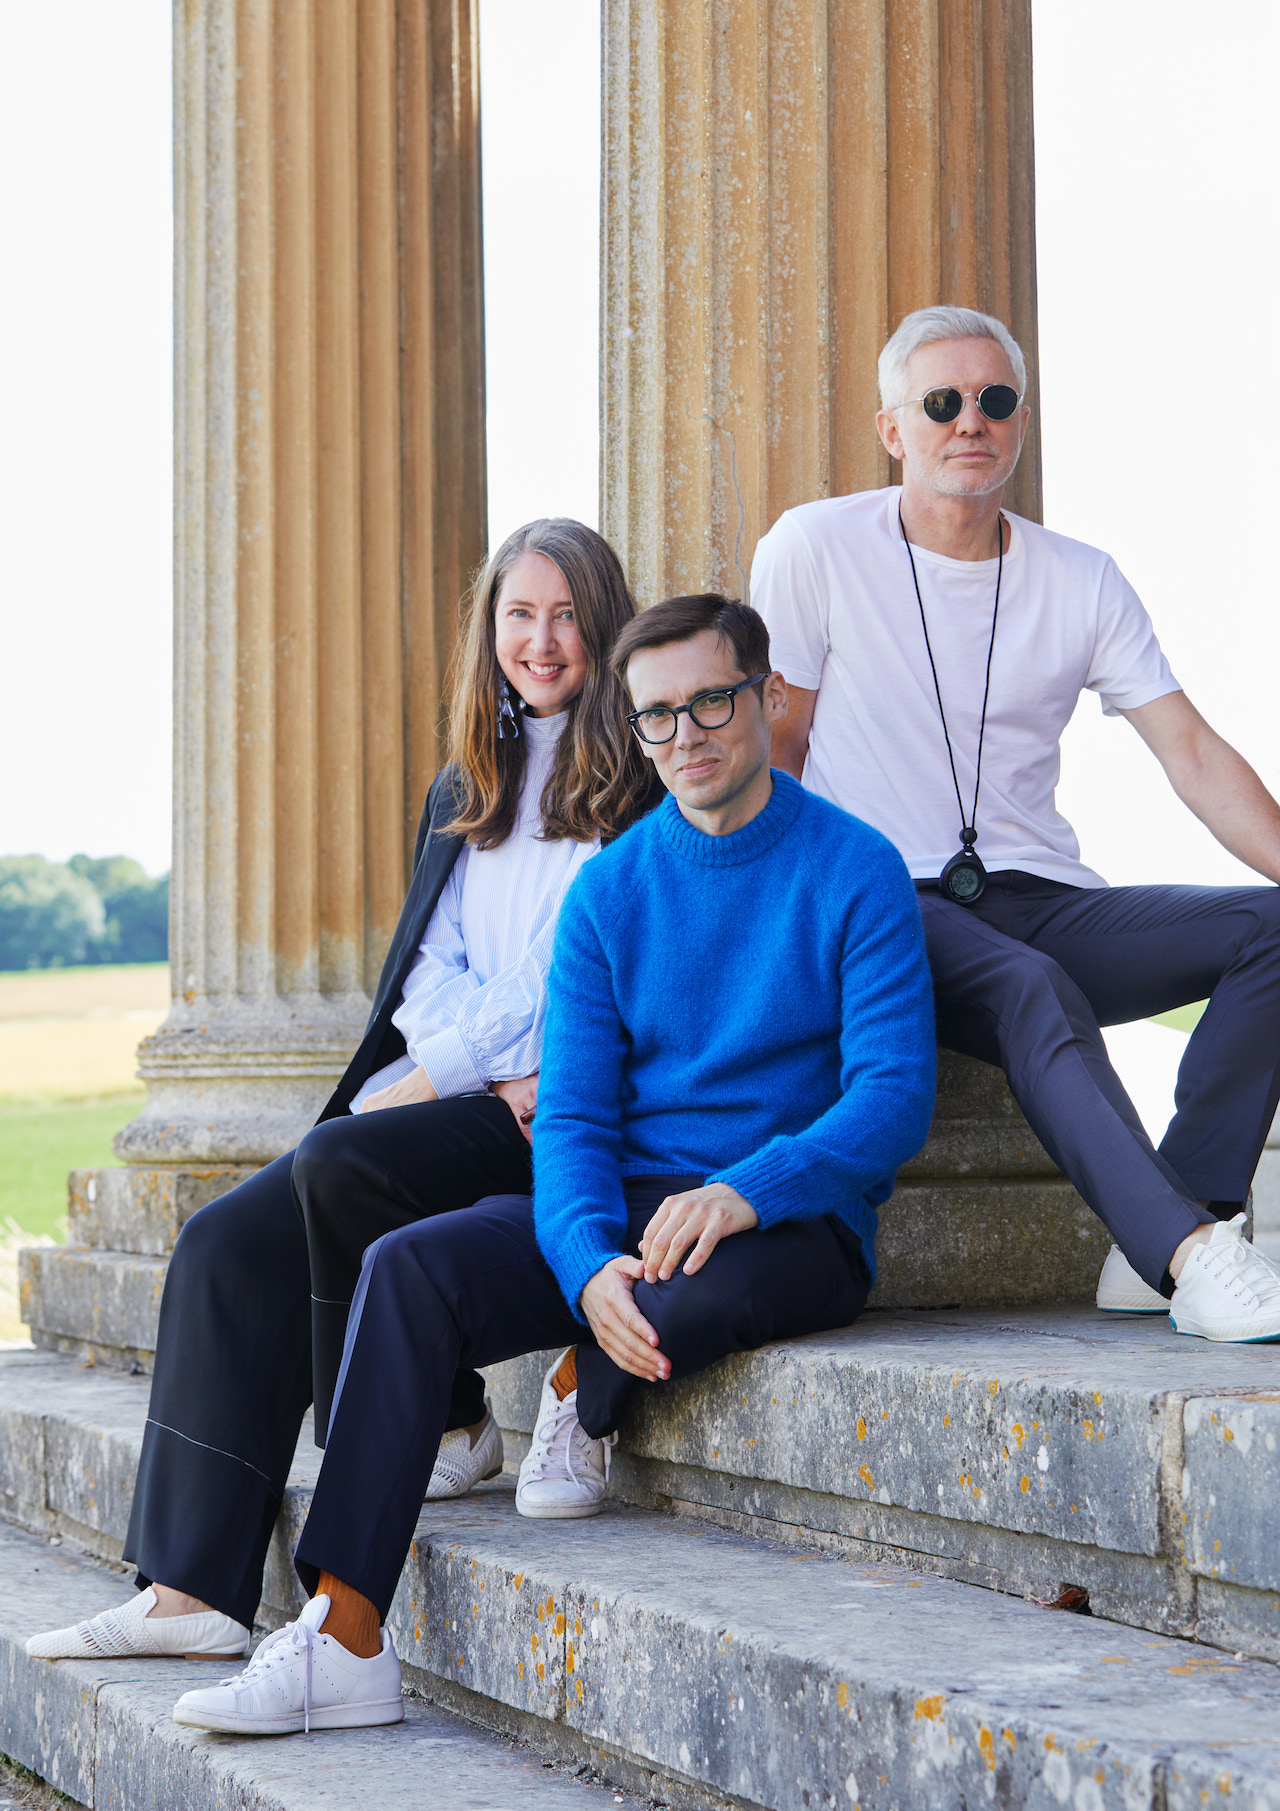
{"x":1122,"y":1291}
{"x":565,"y":1473}
{"x":459,"y":1466}
{"x":126,"y":1634}
{"x":1227,"y":1290}
{"x":300,"y":1680}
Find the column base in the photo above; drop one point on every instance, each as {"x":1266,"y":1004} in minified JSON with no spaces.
{"x":238,"y":1080}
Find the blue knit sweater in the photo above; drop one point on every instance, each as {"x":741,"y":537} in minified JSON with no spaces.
{"x":755,"y":1008}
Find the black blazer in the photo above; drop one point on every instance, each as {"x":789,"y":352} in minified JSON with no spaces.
{"x":433,"y":857}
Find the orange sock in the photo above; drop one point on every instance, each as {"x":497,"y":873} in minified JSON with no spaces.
{"x":565,"y":1381}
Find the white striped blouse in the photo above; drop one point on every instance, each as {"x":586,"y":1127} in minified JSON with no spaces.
{"x":475,"y":1000}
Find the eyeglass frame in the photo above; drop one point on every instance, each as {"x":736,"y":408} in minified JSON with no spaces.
{"x":962,"y":394}
{"x":713,"y":691}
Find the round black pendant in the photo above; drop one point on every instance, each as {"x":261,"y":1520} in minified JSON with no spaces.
{"x":964,"y":878}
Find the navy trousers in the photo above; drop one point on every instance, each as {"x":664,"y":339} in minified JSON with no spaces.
{"x":244,"y":1344}
{"x":1025,"y":978}
{"x":472,"y":1288}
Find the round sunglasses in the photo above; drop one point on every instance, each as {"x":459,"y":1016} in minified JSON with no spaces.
{"x":996,"y":401}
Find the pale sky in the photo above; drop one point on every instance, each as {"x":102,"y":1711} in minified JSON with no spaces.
{"x":1157,"y":216}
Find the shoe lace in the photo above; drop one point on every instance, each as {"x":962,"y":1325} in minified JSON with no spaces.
{"x":278,"y":1648}
{"x":1242,"y":1270}
{"x":551,"y":1442}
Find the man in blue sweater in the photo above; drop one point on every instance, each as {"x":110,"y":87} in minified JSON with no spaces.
{"x":739,"y":1054}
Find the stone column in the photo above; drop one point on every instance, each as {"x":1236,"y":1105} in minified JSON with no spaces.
{"x":330,"y":505}
{"x":783,"y":181}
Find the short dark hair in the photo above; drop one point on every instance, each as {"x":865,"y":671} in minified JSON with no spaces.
{"x":681,"y":618}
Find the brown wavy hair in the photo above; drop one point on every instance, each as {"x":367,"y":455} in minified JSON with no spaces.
{"x":600,"y":781}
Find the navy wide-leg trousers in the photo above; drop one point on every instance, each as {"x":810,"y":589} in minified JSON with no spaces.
{"x":472,"y":1288}
{"x":1025,"y":978}
{"x":252,"y":1323}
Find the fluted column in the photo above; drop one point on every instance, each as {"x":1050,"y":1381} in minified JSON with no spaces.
{"x":330,"y":505}
{"x":783,"y":181}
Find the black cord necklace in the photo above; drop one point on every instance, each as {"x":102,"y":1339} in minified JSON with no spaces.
{"x":964,"y":878}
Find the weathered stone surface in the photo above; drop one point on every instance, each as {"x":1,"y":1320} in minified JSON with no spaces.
{"x":779,"y":1678}
{"x":141,"y":1210}
{"x":104,"y":1735}
{"x":921,"y":1388}
{"x":1231,"y":1485}
{"x":101,"y":1302}
{"x":997,"y":1244}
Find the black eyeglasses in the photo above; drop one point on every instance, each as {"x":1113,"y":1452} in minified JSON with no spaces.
{"x":997,"y":402}
{"x":709,"y":710}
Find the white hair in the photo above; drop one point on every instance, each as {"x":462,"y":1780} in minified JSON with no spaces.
{"x":929,"y":325}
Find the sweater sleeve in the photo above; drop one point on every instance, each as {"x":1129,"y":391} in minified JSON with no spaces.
{"x":888,"y":1052}
{"x":579,"y":1210}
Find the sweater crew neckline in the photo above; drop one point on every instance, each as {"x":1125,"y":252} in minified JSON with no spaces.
{"x":755,"y":838}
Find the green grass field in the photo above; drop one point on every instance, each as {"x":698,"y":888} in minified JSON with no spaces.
{"x":1182,"y":1018}
{"x":39,"y":1144}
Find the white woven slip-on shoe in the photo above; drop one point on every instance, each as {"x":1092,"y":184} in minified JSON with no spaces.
{"x":459,"y":1466}
{"x":565,"y":1473}
{"x":1227,"y":1290}
{"x":1122,"y":1291}
{"x":126,"y":1634}
{"x":300,"y":1680}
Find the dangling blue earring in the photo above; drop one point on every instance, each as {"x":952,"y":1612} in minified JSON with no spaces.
{"x":505,"y":710}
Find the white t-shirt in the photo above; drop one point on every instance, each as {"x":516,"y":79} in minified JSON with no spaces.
{"x":833,"y":582}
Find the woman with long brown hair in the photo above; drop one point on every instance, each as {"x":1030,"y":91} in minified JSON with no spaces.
{"x":432,"y":1114}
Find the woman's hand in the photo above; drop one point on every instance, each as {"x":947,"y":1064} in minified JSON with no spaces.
{"x":701,"y":1218}
{"x":522,"y":1097}
{"x":407,"y":1092}
{"x":620,"y":1329}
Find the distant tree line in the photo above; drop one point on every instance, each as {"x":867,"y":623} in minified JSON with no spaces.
{"x":55,"y":913}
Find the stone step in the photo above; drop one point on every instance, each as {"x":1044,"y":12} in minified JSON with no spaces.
{"x":102,"y":1734}
{"x":1024,"y":1451}
{"x":1027,"y":1454}
{"x":708,"y":1667}
{"x":102,"y":1305}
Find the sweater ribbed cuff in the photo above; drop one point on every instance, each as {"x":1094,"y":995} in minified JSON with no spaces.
{"x":447,"y":1062}
{"x":579,"y":1257}
{"x":774,"y":1189}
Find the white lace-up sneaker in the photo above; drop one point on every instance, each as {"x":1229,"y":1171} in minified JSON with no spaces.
{"x":127,"y":1634}
{"x":1227,"y":1290}
{"x":1122,"y":1291}
{"x":565,"y":1473}
{"x":300,"y":1680}
{"x":459,"y":1466}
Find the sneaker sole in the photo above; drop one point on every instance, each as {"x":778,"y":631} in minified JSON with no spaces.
{"x":558,"y":1512}
{"x":1227,"y":1339}
{"x":335,"y":1716}
{"x":1130,"y":1308}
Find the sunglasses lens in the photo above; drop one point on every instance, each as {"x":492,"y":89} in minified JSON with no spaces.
{"x":942,"y":405}
{"x":998,"y":402}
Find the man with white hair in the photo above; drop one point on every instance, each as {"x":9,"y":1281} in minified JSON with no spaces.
{"x":935,"y":646}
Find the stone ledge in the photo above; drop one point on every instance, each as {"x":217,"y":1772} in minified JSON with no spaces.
{"x":69,"y":1440}
{"x":103,"y":1733}
{"x":141,"y":1210}
{"x":789,"y":1679}
{"x":92,"y":1303}
{"x":1021,"y":1451}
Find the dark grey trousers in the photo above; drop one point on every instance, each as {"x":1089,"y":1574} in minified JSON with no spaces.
{"x":1025,"y":978}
